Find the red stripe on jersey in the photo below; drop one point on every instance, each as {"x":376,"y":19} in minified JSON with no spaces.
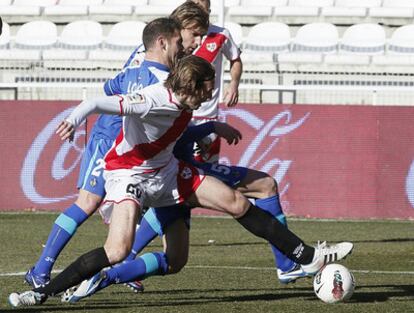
{"x":145,"y":151}
{"x":121,"y":107}
{"x":211,"y":46}
{"x":188,"y":180}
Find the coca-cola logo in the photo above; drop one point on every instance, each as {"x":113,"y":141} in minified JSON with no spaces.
{"x":280,"y":125}
{"x":58,"y":171}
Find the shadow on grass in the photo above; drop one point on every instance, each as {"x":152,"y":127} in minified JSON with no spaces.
{"x":191,"y":297}
{"x":399,"y":291}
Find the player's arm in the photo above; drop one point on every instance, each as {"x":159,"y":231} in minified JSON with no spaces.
{"x":231,"y":94}
{"x":232,"y":52}
{"x":117,"y":105}
{"x":198,"y":132}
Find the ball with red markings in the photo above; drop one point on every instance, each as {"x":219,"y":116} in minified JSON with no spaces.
{"x":334,"y":283}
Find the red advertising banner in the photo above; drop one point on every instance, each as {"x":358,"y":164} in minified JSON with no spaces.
{"x":330,"y":161}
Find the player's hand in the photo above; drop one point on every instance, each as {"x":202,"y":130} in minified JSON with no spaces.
{"x":231,"y":134}
{"x":231,"y":95}
{"x":65,"y":131}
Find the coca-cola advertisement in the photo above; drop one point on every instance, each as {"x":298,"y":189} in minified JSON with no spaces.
{"x":330,"y":161}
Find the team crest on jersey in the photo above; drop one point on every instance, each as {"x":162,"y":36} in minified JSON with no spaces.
{"x":135,"y":98}
{"x":211,"y":46}
{"x":93,"y":182}
{"x":186,"y":173}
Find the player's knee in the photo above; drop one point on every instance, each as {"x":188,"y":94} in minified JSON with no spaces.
{"x":116,"y":253}
{"x":177,"y":263}
{"x":269,"y":188}
{"x":239,"y":205}
{"x":88,"y":201}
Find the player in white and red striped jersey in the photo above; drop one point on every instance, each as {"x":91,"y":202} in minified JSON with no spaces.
{"x":217,"y":44}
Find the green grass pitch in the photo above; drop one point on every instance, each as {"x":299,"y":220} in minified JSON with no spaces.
{"x":232,"y":274}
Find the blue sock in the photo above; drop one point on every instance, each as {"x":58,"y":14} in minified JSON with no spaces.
{"x":148,"y":229}
{"x":63,"y":229}
{"x":272,"y":205}
{"x":148,"y":264}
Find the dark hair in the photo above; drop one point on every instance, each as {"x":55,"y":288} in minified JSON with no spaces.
{"x":189,"y":74}
{"x":163,"y":26}
{"x":190,"y":14}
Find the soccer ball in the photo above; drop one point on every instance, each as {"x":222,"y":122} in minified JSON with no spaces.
{"x":334,"y":283}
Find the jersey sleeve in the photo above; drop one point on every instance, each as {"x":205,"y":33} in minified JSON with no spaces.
{"x":135,"y":104}
{"x":230,"y":49}
{"x":113,"y":86}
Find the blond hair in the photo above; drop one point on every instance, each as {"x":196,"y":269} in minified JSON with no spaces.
{"x":189,"y":75}
{"x":190,"y":14}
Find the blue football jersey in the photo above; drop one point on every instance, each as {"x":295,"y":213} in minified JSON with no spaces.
{"x":129,"y":80}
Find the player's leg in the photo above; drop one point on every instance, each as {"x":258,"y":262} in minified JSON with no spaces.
{"x":91,"y":185}
{"x":262,"y":224}
{"x":257,"y":185}
{"x":263,"y":188}
{"x":116,"y":248}
{"x":170,"y":261}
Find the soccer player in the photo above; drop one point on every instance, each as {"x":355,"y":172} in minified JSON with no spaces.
{"x":217,"y":43}
{"x":141,"y":170}
{"x":103,"y":134}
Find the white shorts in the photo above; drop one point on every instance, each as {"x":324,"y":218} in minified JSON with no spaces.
{"x":167,"y":186}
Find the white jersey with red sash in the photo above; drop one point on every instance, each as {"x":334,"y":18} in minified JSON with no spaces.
{"x":215,"y":44}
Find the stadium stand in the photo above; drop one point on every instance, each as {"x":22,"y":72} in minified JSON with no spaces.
{"x":283,"y":41}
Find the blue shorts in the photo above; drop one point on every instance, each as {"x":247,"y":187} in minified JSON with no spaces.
{"x":161,"y":218}
{"x":92,"y":166}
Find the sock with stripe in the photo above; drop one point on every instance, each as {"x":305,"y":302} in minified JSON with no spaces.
{"x":83,"y":268}
{"x":148,"y":264}
{"x":272,"y":205}
{"x":264,"y":225}
{"x":62,"y":231}
{"x":148,"y":229}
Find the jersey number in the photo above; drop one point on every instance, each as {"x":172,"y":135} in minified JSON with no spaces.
{"x":97,"y":170}
{"x":220,"y":169}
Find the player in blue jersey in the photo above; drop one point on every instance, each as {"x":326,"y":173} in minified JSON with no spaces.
{"x":107,"y":127}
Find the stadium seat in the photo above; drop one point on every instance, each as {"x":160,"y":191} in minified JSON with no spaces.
{"x":5,"y":36}
{"x":268,"y":37}
{"x":125,"y":35}
{"x":71,"y":7}
{"x":350,"y":8}
{"x":26,"y":7}
{"x":236,"y":32}
{"x":257,"y":8}
{"x":36,"y":35}
{"x":5,"y":2}
{"x":117,"y":7}
{"x":366,"y":38}
{"x":75,"y":40}
{"x":302,"y":8}
{"x":157,"y":7}
{"x":402,"y":40}
{"x":316,"y":37}
{"x":394,"y":8}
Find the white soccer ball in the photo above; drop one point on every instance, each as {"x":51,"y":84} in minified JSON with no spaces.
{"x":334,"y":283}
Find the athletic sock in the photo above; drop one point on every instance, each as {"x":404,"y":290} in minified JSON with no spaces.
{"x":272,"y":205}
{"x":262,"y":224}
{"x":148,"y":264}
{"x":62,"y":231}
{"x":83,"y":268}
{"x":149,"y":228}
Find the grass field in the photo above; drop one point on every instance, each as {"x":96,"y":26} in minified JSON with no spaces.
{"x":233,"y":274}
